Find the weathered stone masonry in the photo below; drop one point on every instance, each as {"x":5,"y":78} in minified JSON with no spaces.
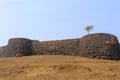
{"x":17,"y":45}
{"x":102,"y":45}
{"x":99,"y":45}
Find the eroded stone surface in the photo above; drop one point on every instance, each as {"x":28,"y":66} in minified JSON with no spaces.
{"x":99,"y":45}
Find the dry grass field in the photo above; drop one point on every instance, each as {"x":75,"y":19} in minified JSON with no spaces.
{"x":57,"y":67}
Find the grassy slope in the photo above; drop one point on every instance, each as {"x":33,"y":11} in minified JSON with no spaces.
{"x":51,"y":67}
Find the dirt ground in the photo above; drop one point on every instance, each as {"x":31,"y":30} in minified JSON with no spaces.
{"x":58,"y":67}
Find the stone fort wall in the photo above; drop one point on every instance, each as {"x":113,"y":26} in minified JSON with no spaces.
{"x":99,"y":45}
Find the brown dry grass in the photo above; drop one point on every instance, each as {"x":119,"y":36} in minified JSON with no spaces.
{"x":49,"y":67}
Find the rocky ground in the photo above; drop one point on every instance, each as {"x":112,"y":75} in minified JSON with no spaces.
{"x":57,"y":67}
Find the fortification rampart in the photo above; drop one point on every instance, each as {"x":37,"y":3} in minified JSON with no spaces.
{"x":99,"y":45}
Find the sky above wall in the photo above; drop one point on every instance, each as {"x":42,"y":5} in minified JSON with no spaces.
{"x":57,"y":19}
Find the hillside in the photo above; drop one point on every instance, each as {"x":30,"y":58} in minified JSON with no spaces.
{"x":49,"y":67}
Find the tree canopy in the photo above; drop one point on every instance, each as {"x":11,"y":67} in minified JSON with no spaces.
{"x":89,"y":28}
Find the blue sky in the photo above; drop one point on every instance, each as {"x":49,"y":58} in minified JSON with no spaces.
{"x":57,"y":19}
